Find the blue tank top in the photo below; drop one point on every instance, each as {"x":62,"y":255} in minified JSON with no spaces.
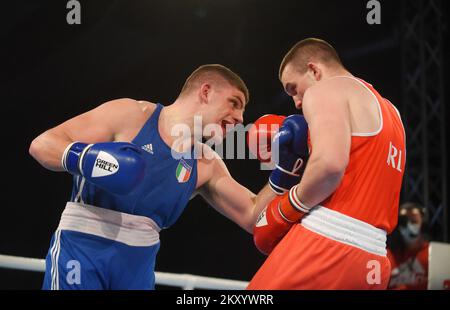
{"x":167,"y":186}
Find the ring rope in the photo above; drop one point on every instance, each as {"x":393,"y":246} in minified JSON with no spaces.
{"x":185,"y":281}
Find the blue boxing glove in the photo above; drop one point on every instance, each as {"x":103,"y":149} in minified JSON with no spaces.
{"x":117,"y":167}
{"x":292,"y":144}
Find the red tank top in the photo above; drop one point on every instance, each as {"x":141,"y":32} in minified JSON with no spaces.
{"x":370,"y":188}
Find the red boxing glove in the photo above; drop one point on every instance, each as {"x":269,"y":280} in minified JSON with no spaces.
{"x":276,"y":219}
{"x":259,"y":137}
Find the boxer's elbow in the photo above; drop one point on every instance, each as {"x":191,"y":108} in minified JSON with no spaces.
{"x":247,"y":221}
{"x":249,"y":225}
{"x":39,"y":150}
{"x":333,"y":166}
{"x":244,"y":220}
{"x":36,"y":148}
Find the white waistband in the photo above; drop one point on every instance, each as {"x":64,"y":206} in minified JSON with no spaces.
{"x":345,"y":229}
{"x":133,"y":230}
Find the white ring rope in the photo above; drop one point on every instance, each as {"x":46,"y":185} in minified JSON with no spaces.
{"x":185,"y":281}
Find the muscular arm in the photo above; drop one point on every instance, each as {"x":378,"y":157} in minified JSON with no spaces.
{"x":101,"y":124}
{"x":326,"y":110}
{"x":231,"y":198}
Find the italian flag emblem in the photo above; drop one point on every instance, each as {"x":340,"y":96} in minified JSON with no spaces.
{"x":183,"y":171}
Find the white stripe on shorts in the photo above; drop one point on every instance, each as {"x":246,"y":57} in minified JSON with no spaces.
{"x":55,"y":258}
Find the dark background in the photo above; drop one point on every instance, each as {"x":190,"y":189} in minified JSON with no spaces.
{"x":51,"y":71}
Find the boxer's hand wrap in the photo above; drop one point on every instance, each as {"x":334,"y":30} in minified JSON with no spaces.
{"x":71,"y":155}
{"x":276,"y":219}
{"x":117,"y":167}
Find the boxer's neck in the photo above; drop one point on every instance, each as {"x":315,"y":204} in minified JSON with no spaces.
{"x":330,"y":73}
{"x":175,"y":119}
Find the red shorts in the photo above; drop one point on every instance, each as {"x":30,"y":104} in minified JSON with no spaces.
{"x":305,"y":260}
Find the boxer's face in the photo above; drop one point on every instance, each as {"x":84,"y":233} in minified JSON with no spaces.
{"x":225,"y":107}
{"x":295,"y":83}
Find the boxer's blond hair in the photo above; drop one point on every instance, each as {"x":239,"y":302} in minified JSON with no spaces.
{"x":214,"y":73}
{"x":310,"y":50}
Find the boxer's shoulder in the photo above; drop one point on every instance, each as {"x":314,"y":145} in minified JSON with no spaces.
{"x":146,"y":106}
{"x":130,"y":107}
{"x":130,"y":114}
{"x":327,"y":91}
{"x":330,"y":86}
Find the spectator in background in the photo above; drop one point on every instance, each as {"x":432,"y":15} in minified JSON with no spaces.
{"x":408,"y":250}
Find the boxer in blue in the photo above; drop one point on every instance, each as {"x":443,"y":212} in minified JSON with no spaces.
{"x":128,"y":185}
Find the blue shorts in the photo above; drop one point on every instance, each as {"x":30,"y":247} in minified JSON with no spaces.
{"x":78,"y":260}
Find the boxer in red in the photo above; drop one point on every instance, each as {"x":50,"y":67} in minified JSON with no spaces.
{"x":329,"y":230}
